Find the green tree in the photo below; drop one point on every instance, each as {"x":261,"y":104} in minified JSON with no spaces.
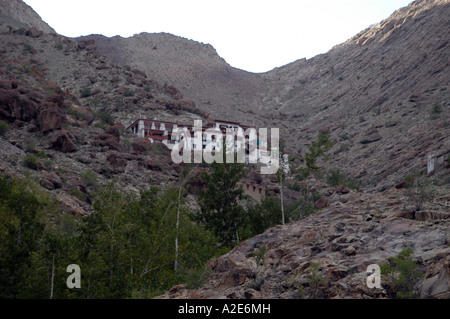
{"x":220,"y":204}
{"x":401,"y":275}
{"x":21,"y":228}
{"x":315,"y":151}
{"x":264,"y":215}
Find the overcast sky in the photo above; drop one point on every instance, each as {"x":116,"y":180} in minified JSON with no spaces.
{"x":253,"y":35}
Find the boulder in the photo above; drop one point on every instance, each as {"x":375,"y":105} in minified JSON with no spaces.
{"x":114,"y":131}
{"x":63,"y":141}
{"x":50,"y":117}
{"x":321,"y":203}
{"x":33,"y":32}
{"x":141,"y":145}
{"x":16,"y":106}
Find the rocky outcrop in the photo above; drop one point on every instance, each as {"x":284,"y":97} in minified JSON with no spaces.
{"x":343,"y":240}
{"x":23,"y":13}
{"x":63,"y":141}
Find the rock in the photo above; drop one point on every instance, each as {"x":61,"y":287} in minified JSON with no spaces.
{"x":401,"y":184}
{"x":107,"y":141}
{"x":33,"y":32}
{"x":5,"y":85}
{"x":63,"y":141}
{"x":437,"y":286}
{"x":116,"y":160}
{"x":114,"y":131}
{"x":139,"y":73}
{"x":321,"y":203}
{"x":16,"y":106}
{"x":372,"y":136}
{"x":58,"y":99}
{"x":87,"y":44}
{"x":340,"y":189}
{"x":141,"y":145}
{"x":50,"y":117}
{"x":185,"y":105}
{"x":350,"y":251}
{"x":44,"y":182}
{"x":173,"y":92}
{"x":51,"y":181}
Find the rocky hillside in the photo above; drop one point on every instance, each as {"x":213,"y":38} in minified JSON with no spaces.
{"x":355,"y":231}
{"x":23,"y":13}
{"x":382,"y":97}
{"x":64,"y":109}
{"x":364,"y":93}
{"x":194,"y":68}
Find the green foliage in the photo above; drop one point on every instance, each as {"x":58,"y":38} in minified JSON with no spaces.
{"x":86,"y":92}
{"x":41,"y":154}
{"x":106,"y":118}
{"x":315,"y":278}
{"x":437,"y":109}
{"x":259,"y":255}
{"x":264,"y":215}
{"x":27,"y":48}
{"x":220,"y":208}
{"x":335,"y":178}
{"x":31,"y":161}
{"x":125,"y":247}
{"x":128,"y":92}
{"x":419,"y":191}
{"x":401,"y":275}
{"x":4,"y":127}
{"x":90,"y":179}
{"x":21,"y":228}
{"x":315,"y":150}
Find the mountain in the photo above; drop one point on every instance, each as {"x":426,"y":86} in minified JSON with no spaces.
{"x":382,"y":97}
{"x":368,"y":89}
{"x":23,"y":13}
{"x":194,"y":68}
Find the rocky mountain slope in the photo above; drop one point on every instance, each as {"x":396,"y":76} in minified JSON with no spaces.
{"x":355,"y":231}
{"x":64,"y":109}
{"x":382,"y":97}
{"x":23,"y":13}
{"x":194,"y":68}
{"x":365,"y":93}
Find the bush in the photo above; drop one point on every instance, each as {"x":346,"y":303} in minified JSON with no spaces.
{"x":86,"y":92}
{"x":128,"y":93}
{"x":3,"y":128}
{"x":106,"y":118}
{"x":31,"y":162}
{"x":89,"y":178}
{"x":335,"y":178}
{"x":419,"y":191}
{"x":437,"y":109}
{"x":401,"y":275}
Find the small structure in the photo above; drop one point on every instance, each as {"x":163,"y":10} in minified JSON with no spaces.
{"x":257,"y":192}
{"x":430,"y":164}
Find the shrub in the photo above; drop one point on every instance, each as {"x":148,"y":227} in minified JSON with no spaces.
{"x":89,"y":178}
{"x":315,"y":278}
{"x":41,"y":154}
{"x":401,"y":275}
{"x":106,"y":118}
{"x":86,"y":92}
{"x":3,"y":128}
{"x":128,"y":92}
{"x":437,"y":109}
{"x":419,"y":191}
{"x":335,"y":178}
{"x":31,"y":162}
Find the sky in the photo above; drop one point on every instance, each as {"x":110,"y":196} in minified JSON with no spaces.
{"x":253,"y":35}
